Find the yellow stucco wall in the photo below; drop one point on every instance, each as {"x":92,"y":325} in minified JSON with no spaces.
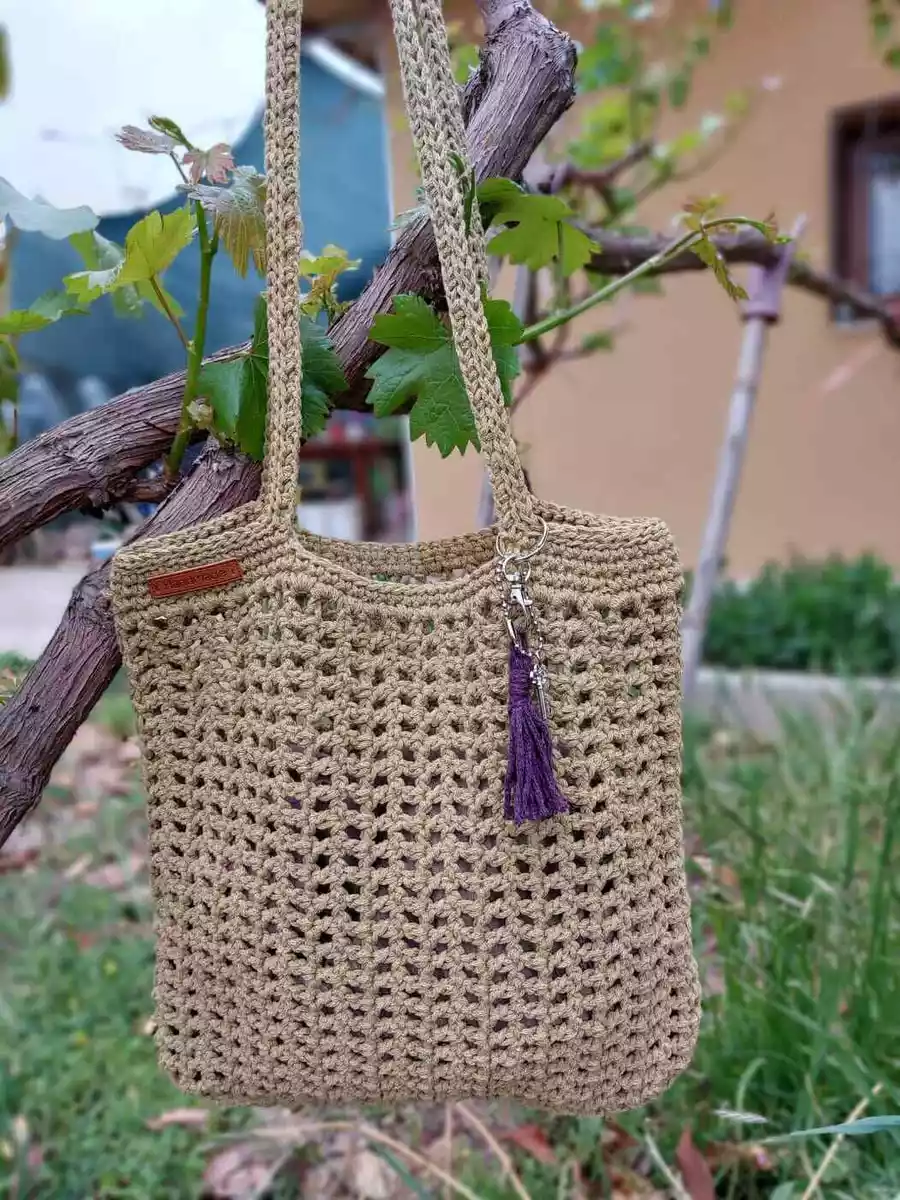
{"x":637,"y":431}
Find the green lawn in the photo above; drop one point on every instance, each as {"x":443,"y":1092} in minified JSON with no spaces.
{"x":794,"y":862}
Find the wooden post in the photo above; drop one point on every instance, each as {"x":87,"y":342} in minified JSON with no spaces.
{"x":760,"y":312}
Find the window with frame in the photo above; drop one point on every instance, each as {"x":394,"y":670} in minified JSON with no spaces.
{"x":865,"y":162}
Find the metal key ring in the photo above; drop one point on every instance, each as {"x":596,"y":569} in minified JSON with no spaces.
{"x":523,"y":555}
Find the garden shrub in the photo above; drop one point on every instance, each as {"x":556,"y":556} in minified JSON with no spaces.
{"x":835,"y":616}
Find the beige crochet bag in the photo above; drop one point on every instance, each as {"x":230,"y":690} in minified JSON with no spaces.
{"x":347,"y":750}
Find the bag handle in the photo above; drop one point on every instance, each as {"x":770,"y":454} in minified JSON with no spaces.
{"x":432,"y":101}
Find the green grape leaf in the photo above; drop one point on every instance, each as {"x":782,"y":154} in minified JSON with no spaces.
{"x":100,"y":254}
{"x":332,"y":261}
{"x":86,"y":286}
{"x":323,"y":272}
{"x":46,"y":310}
{"x":237,"y":389}
{"x":239,"y":215}
{"x":494,"y":195}
{"x":154,"y":243}
{"x":221,"y":384}
{"x":323,"y":376}
{"x":37,"y":216}
{"x":540,"y":232}
{"x":699,"y":209}
{"x":250,"y":422}
{"x":707,"y":252}
{"x":420,"y":368}
{"x":151,"y":246}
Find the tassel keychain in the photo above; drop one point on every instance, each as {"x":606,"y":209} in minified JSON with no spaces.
{"x":531,"y":792}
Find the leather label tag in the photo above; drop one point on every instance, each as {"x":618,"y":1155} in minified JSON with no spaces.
{"x":195,"y":579}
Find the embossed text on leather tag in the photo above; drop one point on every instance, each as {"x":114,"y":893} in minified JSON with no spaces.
{"x":195,"y":579}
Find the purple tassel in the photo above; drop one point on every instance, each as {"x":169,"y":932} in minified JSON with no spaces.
{"x":531,"y":792}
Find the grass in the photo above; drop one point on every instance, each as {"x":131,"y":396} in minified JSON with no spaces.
{"x":78,"y":1074}
{"x":794,"y":856}
{"x":798,"y":921}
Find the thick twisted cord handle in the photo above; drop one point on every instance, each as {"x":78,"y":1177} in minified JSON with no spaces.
{"x":433,"y":104}
{"x":432,"y":101}
{"x":447,"y":99}
{"x":282,"y":130}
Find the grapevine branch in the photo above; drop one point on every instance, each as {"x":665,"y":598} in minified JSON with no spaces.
{"x":38,"y":722}
{"x":557,"y":176}
{"x":90,"y":460}
{"x":619,"y":254}
{"x":523,"y":85}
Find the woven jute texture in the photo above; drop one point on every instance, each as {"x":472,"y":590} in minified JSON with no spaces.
{"x":343,"y":914}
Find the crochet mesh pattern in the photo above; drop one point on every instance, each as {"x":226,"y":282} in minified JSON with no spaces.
{"x":343,"y":914}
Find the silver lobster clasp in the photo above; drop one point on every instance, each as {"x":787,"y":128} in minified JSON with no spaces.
{"x":520,"y":599}
{"x":514,"y":571}
{"x":519,"y":611}
{"x":515,"y":634}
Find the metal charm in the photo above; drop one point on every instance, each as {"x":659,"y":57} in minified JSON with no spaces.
{"x":514,"y":573}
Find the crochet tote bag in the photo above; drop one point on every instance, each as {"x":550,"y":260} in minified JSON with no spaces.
{"x":346,"y":749}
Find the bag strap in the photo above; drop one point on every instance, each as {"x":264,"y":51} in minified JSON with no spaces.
{"x":432,"y":100}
